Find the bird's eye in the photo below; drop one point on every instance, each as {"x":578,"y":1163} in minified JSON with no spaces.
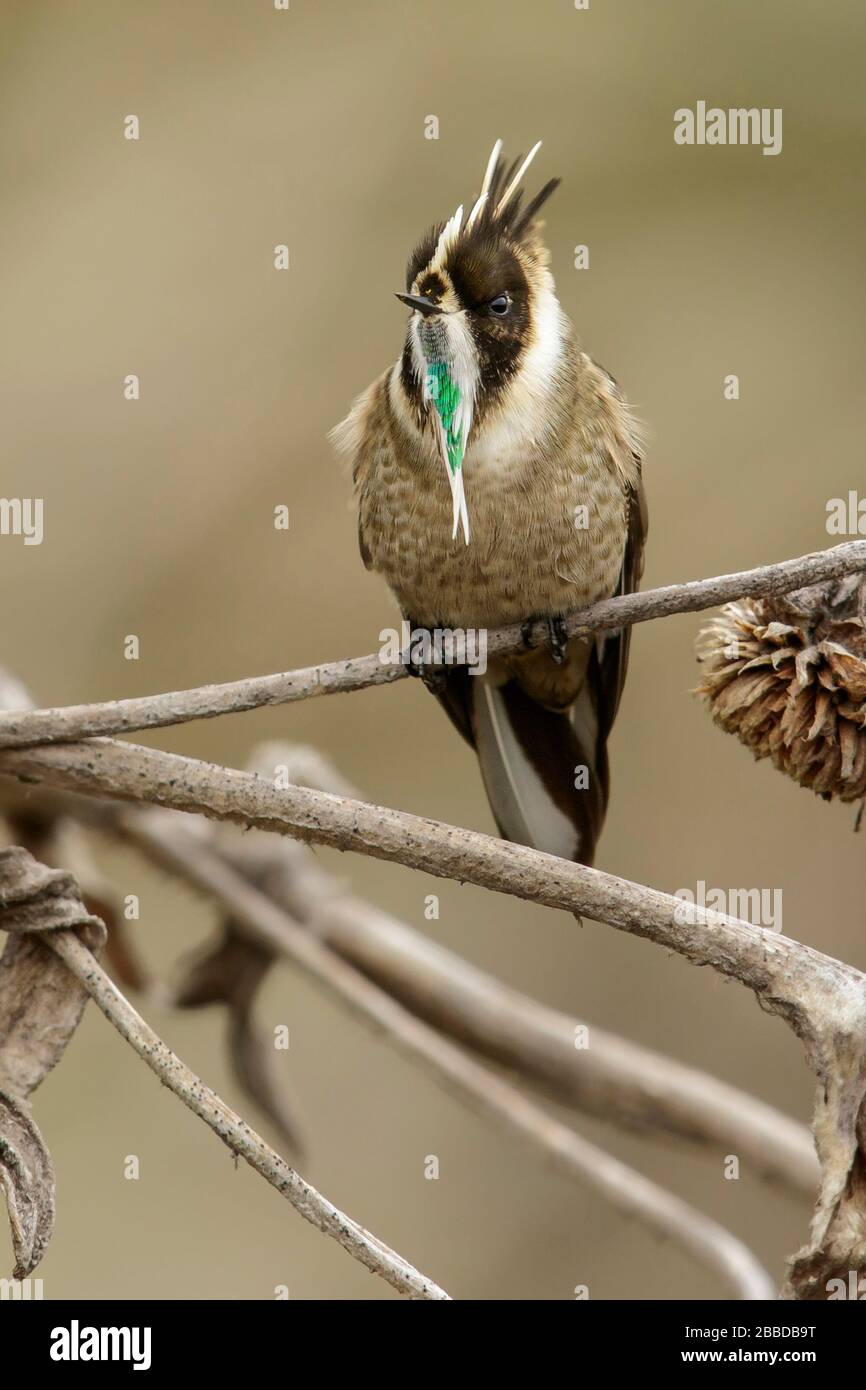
{"x":500,"y":305}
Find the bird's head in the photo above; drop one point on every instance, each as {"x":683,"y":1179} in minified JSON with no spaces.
{"x":481,"y":296}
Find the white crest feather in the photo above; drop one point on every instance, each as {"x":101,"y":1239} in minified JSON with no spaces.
{"x":485,"y":184}
{"x":510,"y":190}
{"x":475,"y":211}
{"x":449,"y":234}
{"x":491,"y":165}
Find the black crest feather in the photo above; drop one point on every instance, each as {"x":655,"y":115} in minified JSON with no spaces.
{"x":511,"y":221}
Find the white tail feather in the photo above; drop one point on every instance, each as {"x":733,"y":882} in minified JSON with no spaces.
{"x":523,"y":806}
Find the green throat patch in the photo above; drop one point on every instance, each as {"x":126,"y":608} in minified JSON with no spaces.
{"x":445,"y":395}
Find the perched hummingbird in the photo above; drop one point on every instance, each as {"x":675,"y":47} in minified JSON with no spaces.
{"x":497,"y":470}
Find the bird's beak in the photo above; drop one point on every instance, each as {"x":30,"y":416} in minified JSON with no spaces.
{"x":420,"y":302}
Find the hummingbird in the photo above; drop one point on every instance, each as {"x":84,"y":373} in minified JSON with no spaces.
{"x":497,"y":472}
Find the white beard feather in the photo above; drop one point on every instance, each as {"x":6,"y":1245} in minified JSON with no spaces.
{"x":454,"y":346}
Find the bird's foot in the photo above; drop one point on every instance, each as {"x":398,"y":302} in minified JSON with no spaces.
{"x":557,"y":635}
{"x":430,"y":672}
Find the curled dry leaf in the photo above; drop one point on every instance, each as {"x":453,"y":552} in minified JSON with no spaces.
{"x":787,"y":675}
{"x":59,"y":842}
{"x":230,"y":972}
{"x":40,"y":1007}
{"x":27,"y":1181}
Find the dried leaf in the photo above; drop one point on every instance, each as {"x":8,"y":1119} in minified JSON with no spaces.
{"x":230,"y":972}
{"x":27,"y":1180}
{"x":252,"y":1057}
{"x":57,"y":841}
{"x":41,"y":1004}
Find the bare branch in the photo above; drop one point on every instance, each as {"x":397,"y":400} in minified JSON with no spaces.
{"x":177,"y":844}
{"x":823,"y":1000}
{"x":613,"y":1078}
{"x":21,"y":729}
{"x":234,"y":1132}
{"x":773,"y":965}
{"x":629,"y":1191}
{"x":616,"y":1079}
{"x":40,"y":1007}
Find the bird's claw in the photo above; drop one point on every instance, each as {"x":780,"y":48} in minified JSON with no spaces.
{"x":557,"y":636}
{"x":432,"y":675}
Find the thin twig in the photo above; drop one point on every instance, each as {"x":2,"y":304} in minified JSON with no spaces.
{"x":22,"y":729}
{"x":234,"y":1132}
{"x":626,"y":1189}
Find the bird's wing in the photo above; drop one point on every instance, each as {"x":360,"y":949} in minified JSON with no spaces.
{"x":358,"y":442}
{"x":612,"y":648}
{"x":536,"y":728}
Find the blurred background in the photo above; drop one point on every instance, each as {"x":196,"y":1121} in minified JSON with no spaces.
{"x":155,"y":257}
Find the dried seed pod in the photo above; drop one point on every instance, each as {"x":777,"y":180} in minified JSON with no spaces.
{"x":787,"y":675}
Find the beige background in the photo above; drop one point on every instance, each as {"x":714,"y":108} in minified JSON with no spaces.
{"x":156,"y":258}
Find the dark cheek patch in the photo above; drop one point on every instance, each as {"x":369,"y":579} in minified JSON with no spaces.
{"x":480,"y":270}
{"x":500,"y":345}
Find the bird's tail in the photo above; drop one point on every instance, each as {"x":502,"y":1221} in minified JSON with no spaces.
{"x":545,"y":771}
